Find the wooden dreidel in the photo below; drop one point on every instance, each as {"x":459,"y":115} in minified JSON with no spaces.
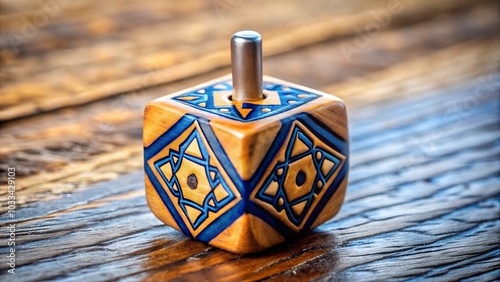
{"x":245,"y":162}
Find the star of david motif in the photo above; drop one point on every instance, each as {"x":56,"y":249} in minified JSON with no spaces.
{"x":196,"y":185}
{"x":306,"y":168}
{"x":216,"y":99}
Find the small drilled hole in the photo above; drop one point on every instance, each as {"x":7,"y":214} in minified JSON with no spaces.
{"x":192,"y":181}
{"x":300,"y":179}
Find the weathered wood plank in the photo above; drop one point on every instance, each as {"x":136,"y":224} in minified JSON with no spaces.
{"x":395,"y":222}
{"x":112,"y":138}
{"x":423,"y":200}
{"x":123,"y":69}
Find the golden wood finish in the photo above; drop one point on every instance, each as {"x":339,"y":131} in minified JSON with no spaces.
{"x":244,"y":176}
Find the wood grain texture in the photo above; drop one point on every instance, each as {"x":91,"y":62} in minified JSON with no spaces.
{"x":119,"y":158}
{"x":394,"y":219}
{"x":423,"y":197}
{"x":116,"y":67}
{"x":98,"y":128}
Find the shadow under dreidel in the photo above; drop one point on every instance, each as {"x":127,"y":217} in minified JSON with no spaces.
{"x":191,"y":260}
{"x":164,"y":252}
{"x":280,"y":259}
{"x":311,"y":240}
{"x":168,"y":260}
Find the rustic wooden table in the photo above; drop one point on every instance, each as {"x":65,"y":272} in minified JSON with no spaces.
{"x":420,"y":79}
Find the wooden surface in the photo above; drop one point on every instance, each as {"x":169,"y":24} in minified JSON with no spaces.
{"x":422,"y":96}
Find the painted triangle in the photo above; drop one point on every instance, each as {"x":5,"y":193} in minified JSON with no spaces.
{"x":299,"y":147}
{"x":272,"y":188}
{"x":299,"y":208}
{"x":220,"y":193}
{"x":243,"y":112}
{"x":193,"y":149}
{"x":327,"y":166}
{"x":166,"y":170}
{"x":192,"y":213}
{"x":174,"y":187}
{"x":211,"y":203}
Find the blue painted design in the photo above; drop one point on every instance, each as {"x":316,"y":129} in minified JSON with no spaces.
{"x":280,"y":98}
{"x":244,"y":187}
{"x":166,"y":200}
{"x":277,"y":188}
{"x":175,"y":161}
{"x":327,"y":136}
{"x":150,"y":151}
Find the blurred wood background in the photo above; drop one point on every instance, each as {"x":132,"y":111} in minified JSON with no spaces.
{"x":420,"y":79}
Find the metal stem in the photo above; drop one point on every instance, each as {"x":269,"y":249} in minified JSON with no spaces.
{"x":246,"y":60}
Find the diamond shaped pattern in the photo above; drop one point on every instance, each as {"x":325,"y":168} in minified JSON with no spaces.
{"x":214,"y":99}
{"x":302,"y":170}
{"x":194,"y":179}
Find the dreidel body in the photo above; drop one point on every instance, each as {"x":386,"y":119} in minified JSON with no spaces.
{"x":245,"y":161}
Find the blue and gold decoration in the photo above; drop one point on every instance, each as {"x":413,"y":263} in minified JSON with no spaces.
{"x":246,"y":161}
{"x":203,"y":190}
{"x":216,"y":99}
{"x":297,"y":180}
{"x":188,"y":177}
